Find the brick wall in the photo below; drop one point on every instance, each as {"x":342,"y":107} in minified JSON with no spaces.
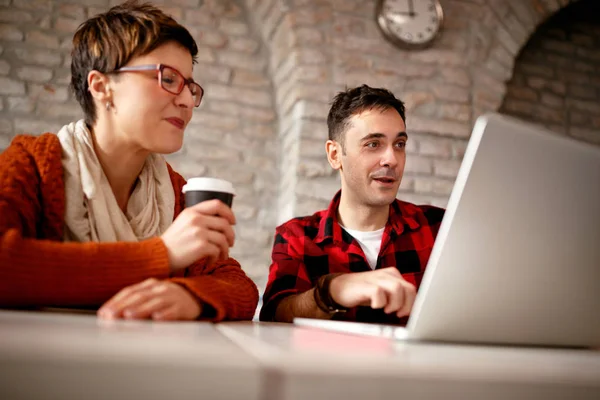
{"x":556,"y":82}
{"x":320,"y":46}
{"x":270,"y":68}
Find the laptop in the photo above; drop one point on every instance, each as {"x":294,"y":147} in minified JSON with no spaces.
{"x":517,"y":257}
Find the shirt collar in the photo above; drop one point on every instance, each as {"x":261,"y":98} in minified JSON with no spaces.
{"x":402,"y":216}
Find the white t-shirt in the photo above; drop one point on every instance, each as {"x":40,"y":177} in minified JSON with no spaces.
{"x":370,"y":243}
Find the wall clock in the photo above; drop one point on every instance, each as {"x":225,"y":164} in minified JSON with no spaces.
{"x":410,"y":24}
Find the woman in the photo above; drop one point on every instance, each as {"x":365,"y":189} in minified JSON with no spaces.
{"x":94,"y":216}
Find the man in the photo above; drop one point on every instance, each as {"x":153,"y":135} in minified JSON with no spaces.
{"x":362,"y":258}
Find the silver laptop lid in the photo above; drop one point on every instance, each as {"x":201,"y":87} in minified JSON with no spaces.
{"x":517,"y":257}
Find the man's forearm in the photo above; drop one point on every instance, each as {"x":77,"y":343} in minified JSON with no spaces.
{"x":301,"y":305}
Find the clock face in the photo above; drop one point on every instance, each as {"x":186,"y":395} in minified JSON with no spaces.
{"x":410,"y":23}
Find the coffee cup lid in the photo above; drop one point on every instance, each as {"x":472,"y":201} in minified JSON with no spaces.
{"x":209,"y":185}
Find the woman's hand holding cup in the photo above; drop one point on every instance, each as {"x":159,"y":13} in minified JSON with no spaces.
{"x":205,"y":228}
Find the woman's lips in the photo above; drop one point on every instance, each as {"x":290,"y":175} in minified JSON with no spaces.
{"x":178,"y":122}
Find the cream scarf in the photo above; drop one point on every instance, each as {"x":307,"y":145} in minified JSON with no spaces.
{"x":92,"y":212}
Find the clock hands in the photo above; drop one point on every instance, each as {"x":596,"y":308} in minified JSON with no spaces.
{"x":398,"y":18}
{"x":401,"y":17}
{"x":411,"y":8}
{"x":405,"y":13}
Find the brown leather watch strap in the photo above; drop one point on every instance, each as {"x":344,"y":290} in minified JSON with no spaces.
{"x":323,"y":297}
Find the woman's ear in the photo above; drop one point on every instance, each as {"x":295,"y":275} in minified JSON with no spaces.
{"x":334,"y":153}
{"x":99,"y":87}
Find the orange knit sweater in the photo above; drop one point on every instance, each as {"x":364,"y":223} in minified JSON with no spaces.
{"x":38,"y":269}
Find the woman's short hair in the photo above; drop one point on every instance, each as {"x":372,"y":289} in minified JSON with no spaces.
{"x":108,"y":41}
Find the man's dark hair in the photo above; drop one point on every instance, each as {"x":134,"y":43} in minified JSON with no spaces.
{"x":354,"y":101}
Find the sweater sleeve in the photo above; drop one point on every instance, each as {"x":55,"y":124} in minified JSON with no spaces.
{"x":39,"y":272}
{"x":222,"y":286}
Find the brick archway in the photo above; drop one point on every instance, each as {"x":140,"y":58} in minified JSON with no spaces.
{"x":505,"y":28}
{"x":317,"y":47}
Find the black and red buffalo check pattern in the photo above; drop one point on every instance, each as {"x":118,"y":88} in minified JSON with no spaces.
{"x":307,"y":248}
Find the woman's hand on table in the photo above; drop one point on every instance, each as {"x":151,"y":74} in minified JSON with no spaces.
{"x":152,"y":299}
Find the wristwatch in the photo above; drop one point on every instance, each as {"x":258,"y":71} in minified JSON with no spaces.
{"x":323,"y":297}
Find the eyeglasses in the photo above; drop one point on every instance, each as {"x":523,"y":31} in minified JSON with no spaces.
{"x":170,"y":80}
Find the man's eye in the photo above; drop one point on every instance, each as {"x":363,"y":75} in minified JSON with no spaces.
{"x":401,"y":144}
{"x":372,"y":145}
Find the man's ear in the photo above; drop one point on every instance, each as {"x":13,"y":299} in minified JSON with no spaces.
{"x":99,"y":86}
{"x":334,"y":154}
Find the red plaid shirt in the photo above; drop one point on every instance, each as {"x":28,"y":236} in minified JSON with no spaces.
{"x":307,"y":248}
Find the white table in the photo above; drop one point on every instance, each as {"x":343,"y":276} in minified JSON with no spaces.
{"x":68,"y":356}
{"x":62,"y":356}
{"x":303,"y":363}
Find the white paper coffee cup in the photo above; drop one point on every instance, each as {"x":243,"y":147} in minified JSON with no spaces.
{"x":197,"y":190}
